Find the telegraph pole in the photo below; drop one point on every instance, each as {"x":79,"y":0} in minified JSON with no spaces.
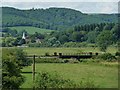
{"x":33,"y":71}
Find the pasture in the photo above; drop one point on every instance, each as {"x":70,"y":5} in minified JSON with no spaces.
{"x":103,"y":75}
{"x":100,"y":75}
{"x":31,"y":30}
{"x":42,"y":51}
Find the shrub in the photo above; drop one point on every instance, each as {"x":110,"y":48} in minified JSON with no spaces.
{"x":47,"y":54}
{"x":66,"y":61}
{"x":117,"y":54}
{"x":47,"y":80}
{"x":107,"y":56}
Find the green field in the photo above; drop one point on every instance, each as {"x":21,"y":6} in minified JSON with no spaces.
{"x":31,"y":30}
{"x":42,"y":51}
{"x":102,"y":76}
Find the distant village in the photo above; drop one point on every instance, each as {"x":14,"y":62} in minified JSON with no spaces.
{"x":26,"y":39}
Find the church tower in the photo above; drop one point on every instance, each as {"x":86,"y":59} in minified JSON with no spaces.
{"x":23,"y":37}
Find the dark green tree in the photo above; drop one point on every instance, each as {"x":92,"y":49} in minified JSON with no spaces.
{"x":91,"y":36}
{"x":107,"y":27}
{"x":104,"y":39}
{"x":12,"y":60}
{"x":63,"y":39}
{"x":76,"y":37}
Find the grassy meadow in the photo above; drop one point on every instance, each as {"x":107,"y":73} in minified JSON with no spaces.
{"x":100,"y":75}
{"x":42,"y":51}
{"x":31,"y":30}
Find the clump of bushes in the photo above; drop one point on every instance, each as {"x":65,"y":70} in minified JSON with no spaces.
{"x":107,"y":56}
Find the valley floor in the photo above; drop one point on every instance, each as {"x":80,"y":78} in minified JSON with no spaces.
{"x":100,"y":75}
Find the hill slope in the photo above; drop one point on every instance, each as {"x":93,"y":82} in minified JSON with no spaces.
{"x":52,"y":18}
{"x":31,"y":30}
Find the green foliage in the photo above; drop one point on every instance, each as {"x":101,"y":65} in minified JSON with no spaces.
{"x":117,"y":53}
{"x":8,"y":41}
{"x":76,"y":37}
{"x":107,"y":56}
{"x":47,"y":80}
{"x":64,"y":39}
{"x":91,"y":36}
{"x":35,"y":45}
{"x":116,"y":32}
{"x":19,"y":55}
{"x":52,"y":42}
{"x":52,"y":18}
{"x":47,"y":54}
{"x":104,"y":39}
{"x":80,"y":33}
{"x":12,"y":62}
{"x":107,"y":27}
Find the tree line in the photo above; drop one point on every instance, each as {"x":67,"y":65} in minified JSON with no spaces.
{"x":52,"y":18}
{"x":107,"y":33}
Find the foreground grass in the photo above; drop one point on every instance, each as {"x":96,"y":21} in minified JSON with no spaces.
{"x":102,"y":76}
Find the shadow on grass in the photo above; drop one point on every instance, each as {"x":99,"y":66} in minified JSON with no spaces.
{"x":28,"y":72}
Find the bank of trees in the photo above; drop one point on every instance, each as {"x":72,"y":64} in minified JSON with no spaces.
{"x":103,"y":34}
{"x":52,"y":18}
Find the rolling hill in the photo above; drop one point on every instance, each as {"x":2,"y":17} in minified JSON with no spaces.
{"x":52,"y":18}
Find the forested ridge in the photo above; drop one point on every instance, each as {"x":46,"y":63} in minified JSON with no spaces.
{"x":52,"y":18}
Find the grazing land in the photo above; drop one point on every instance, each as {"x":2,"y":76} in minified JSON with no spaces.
{"x":100,"y":75}
{"x":51,"y":50}
{"x":42,"y":51}
{"x":103,"y":74}
{"x":31,"y":30}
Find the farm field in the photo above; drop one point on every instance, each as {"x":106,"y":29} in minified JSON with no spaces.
{"x":100,"y":75}
{"x":42,"y":51}
{"x":104,"y":75}
{"x":31,"y":30}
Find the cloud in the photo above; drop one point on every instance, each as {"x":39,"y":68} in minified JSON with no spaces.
{"x":85,"y":7}
{"x":60,"y":0}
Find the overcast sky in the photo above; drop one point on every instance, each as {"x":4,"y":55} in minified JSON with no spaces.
{"x":89,"y":6}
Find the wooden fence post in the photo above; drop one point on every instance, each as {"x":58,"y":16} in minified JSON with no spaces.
{"x":33,"y":69}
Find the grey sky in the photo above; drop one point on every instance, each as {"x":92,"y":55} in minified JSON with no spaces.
{"x":85,"y":7}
